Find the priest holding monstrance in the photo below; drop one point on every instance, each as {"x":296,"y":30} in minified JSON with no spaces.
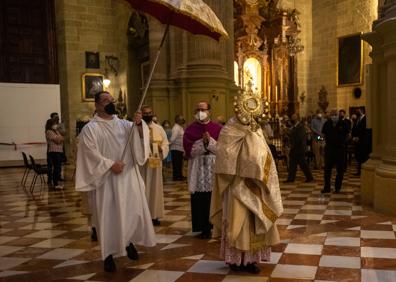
{"x":246,"y":199}
{"x":114,"y":183}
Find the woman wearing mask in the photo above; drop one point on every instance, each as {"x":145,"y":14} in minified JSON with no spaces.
{"x":54,"y":153}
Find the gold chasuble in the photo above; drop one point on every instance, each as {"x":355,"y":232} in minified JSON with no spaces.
{"x":246,"y":192}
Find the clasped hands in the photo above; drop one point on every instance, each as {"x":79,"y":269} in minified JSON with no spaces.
{"x":206,"y":137}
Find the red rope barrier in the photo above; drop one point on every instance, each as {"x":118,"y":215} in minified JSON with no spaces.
{"x":21,"y":144}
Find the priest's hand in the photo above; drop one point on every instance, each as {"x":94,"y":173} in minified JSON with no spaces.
{"x":117,"y":167}
{"x":206,"y":137}
{"x":137,"y":119}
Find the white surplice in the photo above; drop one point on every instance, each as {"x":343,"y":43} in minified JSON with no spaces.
{"x":201,"y":166}
{"x":118,"y":201}
{"x":153,"y":175}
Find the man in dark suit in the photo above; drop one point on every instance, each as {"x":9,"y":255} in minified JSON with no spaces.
{"x":359,"y":134}
{"x":335,"y":131}
{"x":298,"y":143}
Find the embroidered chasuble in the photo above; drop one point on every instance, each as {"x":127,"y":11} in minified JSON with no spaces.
{"x":246,"y":198}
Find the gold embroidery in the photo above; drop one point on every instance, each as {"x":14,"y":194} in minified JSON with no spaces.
{"x":266,"y":210}
{"x":267,"y":167}
{"x":257,"y":241}
{"x":154,"y":160}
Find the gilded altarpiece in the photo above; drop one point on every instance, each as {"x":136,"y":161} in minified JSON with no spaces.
{"x":266,"y":45}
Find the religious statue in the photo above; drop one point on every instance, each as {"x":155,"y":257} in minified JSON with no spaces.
{"x":121,"y":105}
{"x":323,"y":102}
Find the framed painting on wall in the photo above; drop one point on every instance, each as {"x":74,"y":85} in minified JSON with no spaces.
{"x":92,"y":60}
{"x":349,"y":60}
{"x":91,"y":84}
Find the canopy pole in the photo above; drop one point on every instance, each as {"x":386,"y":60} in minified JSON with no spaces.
{"x":147,"y":86}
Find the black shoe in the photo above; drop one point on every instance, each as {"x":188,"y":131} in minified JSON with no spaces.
{"x":205,"y":235}
{"x":337,"y":191}
{"x":288,"y":181}
{"x":132,"y":252}
{"x":109,"y":265}
{"x":309,"y":180}
{"x":62,"y":179}
{"x":183,"y":178}
{"x":252,"y":268}
{"x":235,"y":267}
{"x":156,"y":222}
{"x":94,"y":235}
{"x":325,"y":191}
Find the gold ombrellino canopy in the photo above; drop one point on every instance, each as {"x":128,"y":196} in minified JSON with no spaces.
{"x":194,"y":16}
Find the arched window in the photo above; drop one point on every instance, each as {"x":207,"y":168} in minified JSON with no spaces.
{"x":252,"y":74}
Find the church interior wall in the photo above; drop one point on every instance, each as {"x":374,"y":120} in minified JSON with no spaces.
{"x":330,"y":20}
{"x":23,"y":112}
{"x":189,"y":65}
{"x":94,"y":26}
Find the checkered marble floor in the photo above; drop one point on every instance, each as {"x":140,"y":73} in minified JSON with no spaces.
{"x":45,"y":237}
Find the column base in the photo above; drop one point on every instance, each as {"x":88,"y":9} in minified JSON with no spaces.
{"x":385,"y":188}
{"x":367,"y":181}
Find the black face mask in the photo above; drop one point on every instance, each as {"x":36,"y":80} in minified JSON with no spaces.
{"x":147,"y":119}
{"x":110,"y":109}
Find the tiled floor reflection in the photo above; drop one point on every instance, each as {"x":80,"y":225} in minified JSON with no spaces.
{"x":44,"y":237}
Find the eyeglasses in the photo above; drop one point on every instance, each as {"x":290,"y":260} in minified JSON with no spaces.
{"x":201,"y":110}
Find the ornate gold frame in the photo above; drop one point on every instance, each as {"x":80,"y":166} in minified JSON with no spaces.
{"x":83,"y":85}
{"x":361,"y":60}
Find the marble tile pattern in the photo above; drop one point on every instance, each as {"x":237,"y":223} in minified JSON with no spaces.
{"x":45,"y":237}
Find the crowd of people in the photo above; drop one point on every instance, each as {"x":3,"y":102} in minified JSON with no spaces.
{"x":232,"y":173}
{"x":326,"y":140}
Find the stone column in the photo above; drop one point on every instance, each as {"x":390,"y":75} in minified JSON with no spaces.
{"x":192,"y":68}
{"x":379,"y":173}
{"x":204,"y":68}
{"x":158,"y":93}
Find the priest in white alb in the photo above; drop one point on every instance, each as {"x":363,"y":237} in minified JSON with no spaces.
{"x":152,"y":169}
{"x":115,"y":186}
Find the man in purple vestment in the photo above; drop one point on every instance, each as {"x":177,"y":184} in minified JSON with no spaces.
{"x":199,"y":142}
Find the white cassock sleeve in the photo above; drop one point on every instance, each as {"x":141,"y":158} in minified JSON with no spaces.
{"x":164,"y":144}
{"x":91,"y":165}
{"x":140,"y":147}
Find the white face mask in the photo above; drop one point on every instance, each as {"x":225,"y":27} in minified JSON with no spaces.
{"x":319,"y":115}
{"x":54,"y":127}
{"x":201,"y":116}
